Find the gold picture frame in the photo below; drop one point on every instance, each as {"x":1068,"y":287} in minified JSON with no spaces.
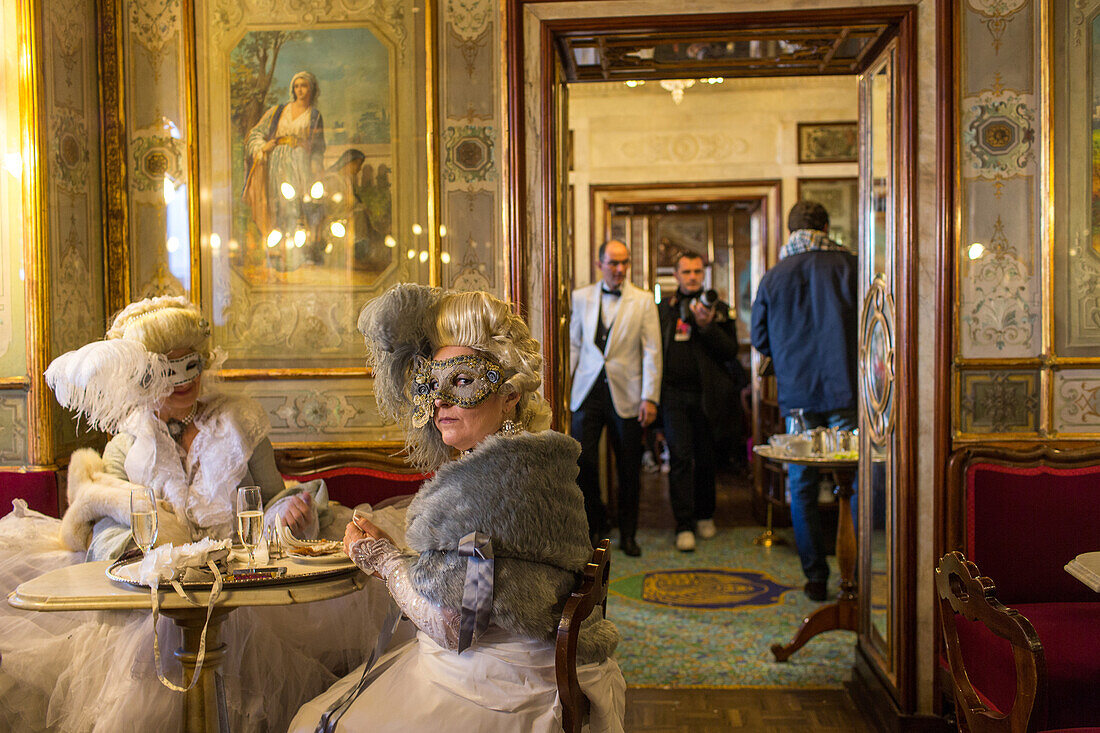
{"x":828,"y":142}
{"x":315,"y":168}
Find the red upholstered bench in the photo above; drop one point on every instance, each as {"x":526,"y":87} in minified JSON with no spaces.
{"x":349,"y":477}
{"x":352,"y":485}
{"x":1070,"y":638}
{"x":1026,"y":514}
{"x":37,"y":488}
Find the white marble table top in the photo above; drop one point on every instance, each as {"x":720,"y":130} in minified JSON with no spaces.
{"x":1086,"y":568}
{"x":85,"y":587}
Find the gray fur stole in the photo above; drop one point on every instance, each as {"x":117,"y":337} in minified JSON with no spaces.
{"x":522,"y":492}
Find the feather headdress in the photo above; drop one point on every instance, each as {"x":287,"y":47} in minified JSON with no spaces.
{"x":106,"y":381}
{"x":410,"y":322}
{"x":397,"y":327}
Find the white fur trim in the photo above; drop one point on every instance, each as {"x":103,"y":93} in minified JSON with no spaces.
{"x":93,"y":495}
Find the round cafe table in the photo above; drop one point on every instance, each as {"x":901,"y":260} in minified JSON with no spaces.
{"x":86,"y":587}
{"x":844,"y":612}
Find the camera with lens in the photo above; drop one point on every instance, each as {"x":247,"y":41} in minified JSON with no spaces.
{"x":708,"y":298}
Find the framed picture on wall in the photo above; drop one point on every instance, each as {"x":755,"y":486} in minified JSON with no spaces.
{"x":828,"y":142}
{"x":313,"y":170}
{"x":840,"y":197}
{"x":673,"y":234}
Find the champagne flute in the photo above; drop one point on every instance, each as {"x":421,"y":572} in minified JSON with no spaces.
{"x":143,"y":517}
{"x":250,"y":519}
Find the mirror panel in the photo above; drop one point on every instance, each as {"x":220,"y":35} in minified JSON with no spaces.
{"x":878,"y":445}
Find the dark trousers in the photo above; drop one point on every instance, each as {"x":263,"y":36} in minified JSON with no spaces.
{"x":691,"y":457}
{"x":624,"y":435}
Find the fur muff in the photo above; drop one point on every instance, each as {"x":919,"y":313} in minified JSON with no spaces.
{"x":522,"y":492}
{"x":95,"y":494}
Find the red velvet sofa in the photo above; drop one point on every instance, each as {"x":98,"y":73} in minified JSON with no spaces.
{"x":1027,"y":514}
{"x":352,"y":477}
{"x":38,"y":488}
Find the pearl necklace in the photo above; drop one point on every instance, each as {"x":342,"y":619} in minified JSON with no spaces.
{"x":176,"y":427}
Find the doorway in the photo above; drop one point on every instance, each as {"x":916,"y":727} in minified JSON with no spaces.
{"x":564,"y":46}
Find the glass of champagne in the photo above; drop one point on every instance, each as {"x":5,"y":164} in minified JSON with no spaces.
{"x":143,"y":517}
{"x":250,"y":519}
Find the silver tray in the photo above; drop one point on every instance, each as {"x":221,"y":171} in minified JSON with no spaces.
{"x":117,"y":572}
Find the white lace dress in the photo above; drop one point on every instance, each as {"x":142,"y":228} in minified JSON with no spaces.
{"x":93,"y":671}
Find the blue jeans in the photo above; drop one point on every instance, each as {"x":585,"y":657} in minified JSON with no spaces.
{"x":802,"y":482}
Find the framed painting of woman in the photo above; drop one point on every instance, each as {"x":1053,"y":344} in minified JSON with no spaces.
{"x":313,"y":171}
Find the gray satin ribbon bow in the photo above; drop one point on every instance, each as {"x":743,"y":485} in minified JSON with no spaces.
{"x":477,"y":593}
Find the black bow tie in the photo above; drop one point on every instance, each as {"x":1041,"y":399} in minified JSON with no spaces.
{"x":616,"y":293}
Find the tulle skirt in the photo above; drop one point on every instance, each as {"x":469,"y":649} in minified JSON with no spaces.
{"x":94,"y":671}
{"x":501,"y":683}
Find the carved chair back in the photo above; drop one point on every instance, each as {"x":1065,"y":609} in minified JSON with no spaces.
{"x":591,"y":591}
{"x":963,"y":592}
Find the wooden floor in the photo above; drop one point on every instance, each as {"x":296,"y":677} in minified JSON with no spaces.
{"x":755,"y":710}
{"x":744,"y":710}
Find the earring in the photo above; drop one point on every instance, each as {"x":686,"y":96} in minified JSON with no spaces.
{"x":510,"y":428}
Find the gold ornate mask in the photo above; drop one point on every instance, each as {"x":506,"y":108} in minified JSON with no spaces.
{"x":465,"y":381}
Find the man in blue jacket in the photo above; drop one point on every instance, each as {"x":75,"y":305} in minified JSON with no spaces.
{"x":805,"y":318}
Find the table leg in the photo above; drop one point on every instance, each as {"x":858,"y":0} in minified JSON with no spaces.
{"x":844,"y":613}
{"x":201,"y":713}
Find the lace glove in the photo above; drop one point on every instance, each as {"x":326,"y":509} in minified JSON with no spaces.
{"x":382,"y":557}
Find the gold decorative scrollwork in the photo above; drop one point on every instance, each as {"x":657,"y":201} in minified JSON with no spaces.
{"x":876,"y":360}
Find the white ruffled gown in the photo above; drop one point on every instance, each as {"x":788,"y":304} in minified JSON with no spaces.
{"x":501,"y":684}
{"x":93,"y":671}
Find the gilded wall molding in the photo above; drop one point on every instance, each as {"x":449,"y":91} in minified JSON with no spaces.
{"x":116,"y":232}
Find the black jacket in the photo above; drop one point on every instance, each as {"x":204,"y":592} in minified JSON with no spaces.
{"x":721,"y":375}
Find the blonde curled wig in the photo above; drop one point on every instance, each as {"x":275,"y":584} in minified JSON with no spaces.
{"x":489,"y":326}
{"x":162,"y":324}
{"x":411,"y":322}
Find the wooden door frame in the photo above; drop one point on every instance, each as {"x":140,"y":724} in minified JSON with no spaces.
{"x":903,"y":688}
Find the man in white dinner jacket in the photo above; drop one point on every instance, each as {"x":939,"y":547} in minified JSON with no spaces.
{"x":615,"y":361}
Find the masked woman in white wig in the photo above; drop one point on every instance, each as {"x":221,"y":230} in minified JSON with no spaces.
{"x":177,"y":433}
{"x":459,"y":372}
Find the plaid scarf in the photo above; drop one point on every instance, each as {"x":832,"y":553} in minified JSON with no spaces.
{"x":809,"y":240}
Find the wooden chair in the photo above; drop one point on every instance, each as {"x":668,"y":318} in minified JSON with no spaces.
{"x":591,"y":591}
{"x":966,"y":594}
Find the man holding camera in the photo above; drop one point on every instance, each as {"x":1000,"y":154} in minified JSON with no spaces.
{"x":701,"y":405}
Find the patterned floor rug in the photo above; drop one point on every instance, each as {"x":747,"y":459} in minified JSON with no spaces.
{"x":708,"y":618}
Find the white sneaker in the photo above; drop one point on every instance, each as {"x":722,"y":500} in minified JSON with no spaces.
{"x":706,"y":528}
{"x":685,"y":541}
